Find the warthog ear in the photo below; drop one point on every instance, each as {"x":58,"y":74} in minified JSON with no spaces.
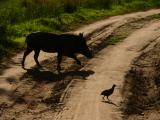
{"x":81,"y":35}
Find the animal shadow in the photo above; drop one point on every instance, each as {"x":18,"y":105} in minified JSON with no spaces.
{"x":110,"y":102}
{"x":78,"y":74}
{"x":45,"y":75}
{"x":40,"y":75}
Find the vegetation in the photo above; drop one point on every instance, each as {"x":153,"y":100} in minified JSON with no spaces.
{"x":20,"y":17}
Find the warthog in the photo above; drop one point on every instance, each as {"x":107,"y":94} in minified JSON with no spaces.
{"x":63,"y":44}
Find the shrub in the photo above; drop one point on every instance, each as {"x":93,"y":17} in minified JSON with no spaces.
{"x":138,"y":5}
{"x":71,"y":5}
{"x":42,"y":8}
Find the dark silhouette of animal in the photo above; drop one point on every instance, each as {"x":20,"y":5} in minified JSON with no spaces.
{"x":63,"y":44}
{"x":108,"y":92}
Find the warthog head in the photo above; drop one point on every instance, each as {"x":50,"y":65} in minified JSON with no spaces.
{"x":84,"y":48}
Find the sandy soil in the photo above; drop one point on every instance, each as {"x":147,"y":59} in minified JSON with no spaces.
{"x":29,"y":95}
{"x":113,"y":62}
{"x":142,"y":83}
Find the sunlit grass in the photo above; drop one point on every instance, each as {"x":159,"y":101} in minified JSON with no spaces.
{"x":63,"y":23}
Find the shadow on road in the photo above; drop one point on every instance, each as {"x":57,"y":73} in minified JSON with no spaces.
{"x":82,"y":74}
{"x":110,"y":102}
{"x":40,"y":75}
{"x":45,"y":75}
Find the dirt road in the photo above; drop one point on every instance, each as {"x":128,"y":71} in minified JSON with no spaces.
{"x":83,"y":100}
{"x":110,"y":67}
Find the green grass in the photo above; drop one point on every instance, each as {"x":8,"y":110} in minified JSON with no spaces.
{"x":63,"y":23}
{"x":119,"y":35}
{"x":112,"y":40}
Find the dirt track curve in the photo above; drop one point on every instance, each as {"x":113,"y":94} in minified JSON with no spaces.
{"x":83,"y":100}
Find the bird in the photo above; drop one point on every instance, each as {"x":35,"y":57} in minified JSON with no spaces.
{"x":108,"y":92}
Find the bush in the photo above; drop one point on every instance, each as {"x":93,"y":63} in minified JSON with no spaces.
{"x":6,"y":45}
{"x":138,"y":5}
{"x":42,"y":8}
{"x":71,"y":5}
{"x":156,"y":3}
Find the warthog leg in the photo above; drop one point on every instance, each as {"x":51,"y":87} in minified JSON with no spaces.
{"x":75,"y":58}
{"x":24,"y":56}
{"x":36,"y":57}
{"x":59,"y":59}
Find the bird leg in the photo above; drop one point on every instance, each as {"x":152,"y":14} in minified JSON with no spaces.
{"x":103,"y":97}
{"x":108,"y":98}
